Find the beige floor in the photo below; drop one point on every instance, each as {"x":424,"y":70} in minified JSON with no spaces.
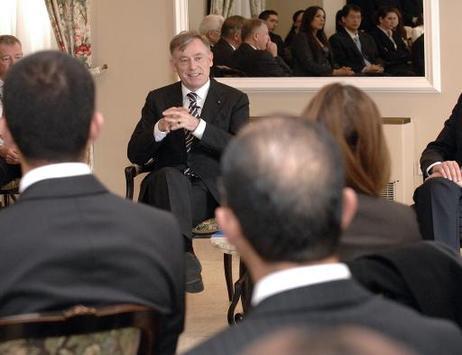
{"x":206,"y":311}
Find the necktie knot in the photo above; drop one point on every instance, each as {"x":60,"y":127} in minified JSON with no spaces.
{"x":192,"y":96}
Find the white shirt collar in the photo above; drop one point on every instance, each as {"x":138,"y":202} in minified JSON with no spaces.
{"x":352,"y":34}
{"x":201,"y":93}
{"x":297,"y":277}
{"x":53,"y":171}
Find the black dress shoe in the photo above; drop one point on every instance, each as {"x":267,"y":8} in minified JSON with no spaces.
{"x":193,"y":276}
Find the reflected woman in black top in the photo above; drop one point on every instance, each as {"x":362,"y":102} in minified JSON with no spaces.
{"x":311,"y":55}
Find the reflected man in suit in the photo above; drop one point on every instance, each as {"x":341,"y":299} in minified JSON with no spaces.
{"x":283,"y":207}
{"x":68,"y":240}
{"x":258,"y":55}
{"x":230,"y":40}
{"x":10,"y":53}
{"x":438,"y":199}
{"x":353,"y":48}
{"x":184,"y":128}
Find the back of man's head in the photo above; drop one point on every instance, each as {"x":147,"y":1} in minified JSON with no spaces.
{"x":231,"y":26}
{"x":49,"y":101}
{"x":249,"y":27}
{"x":283,"y":180}
{"x":9,"y":40}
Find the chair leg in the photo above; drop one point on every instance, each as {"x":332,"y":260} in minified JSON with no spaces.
{"x":228,"y":267}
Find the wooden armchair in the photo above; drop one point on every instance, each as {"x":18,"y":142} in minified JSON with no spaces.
{"x":206,"y":228}
{"x":119,"y":329}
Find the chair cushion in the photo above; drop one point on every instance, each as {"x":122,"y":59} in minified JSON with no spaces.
{"x":208,"y":226}
{"x":12,"y":185}
{"x":115,"y":342}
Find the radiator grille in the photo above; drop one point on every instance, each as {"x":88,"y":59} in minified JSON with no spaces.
{"x":389,"y":192}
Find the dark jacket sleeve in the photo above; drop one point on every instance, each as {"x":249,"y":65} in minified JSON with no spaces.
{"x":445,"y":145}
{"x":303,"y":56}
{"x":216,"y":138}
{"x":142,"y":145}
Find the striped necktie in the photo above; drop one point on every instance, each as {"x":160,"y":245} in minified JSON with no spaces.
{"x":188,"y":136}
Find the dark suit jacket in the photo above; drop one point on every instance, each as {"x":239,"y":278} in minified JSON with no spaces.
{"x":346,"y":53}
{"x":448,"y":144}
{"x":306,"y":62}
{"x":255,"y":62}
{"x":69,"y":241}
{"x":223,"y":53}
{"x":225,"y":110}
{"x":393,"y":57}
{"x":337,"y":303}
{"x":379,"y":224}
{"x":433,"y":290}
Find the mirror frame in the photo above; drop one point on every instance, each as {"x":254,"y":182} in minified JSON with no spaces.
{"x":430,"y":83}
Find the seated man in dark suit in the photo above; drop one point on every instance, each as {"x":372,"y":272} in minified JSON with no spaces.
{"x":271,"y":19}
{"x":284,"y":205}
{"x":68,"y":240}
{"x":437,"y":200}
{"x":353,"y":48}
{"x":184,"y":128}
{"x":10,"y":53}
{"x":230,"y":40}
{"x":257,"y":55}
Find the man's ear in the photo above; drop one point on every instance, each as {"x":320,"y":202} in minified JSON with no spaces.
{"x":349,"y":206}
{"x":5,"y":134}
{"x":96,"y":125}
{"x":172,"y":65}
{"x":229,"y":224}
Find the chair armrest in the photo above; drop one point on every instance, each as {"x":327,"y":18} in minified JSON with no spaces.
{"x":131,"y":172}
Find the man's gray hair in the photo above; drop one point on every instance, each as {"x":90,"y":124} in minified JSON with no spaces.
{"x":211,"y":23}
{"x":182,"y":39}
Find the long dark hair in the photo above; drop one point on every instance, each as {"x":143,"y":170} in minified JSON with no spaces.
{"x":291,"y":34}
{"x":305,"y":27}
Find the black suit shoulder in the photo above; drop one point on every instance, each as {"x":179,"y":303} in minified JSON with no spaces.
{"x":223,"y":53}
{"x":447,"y":145}
{"x":336,"y":303}
{"x":256,"y":62}
{"x":309,"y":62}
{"x":379,"y":224}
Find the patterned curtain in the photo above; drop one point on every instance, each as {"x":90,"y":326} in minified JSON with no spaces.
{"x":71,"y":26}
{"x":256,"y":7}
{"x":221,"y":7}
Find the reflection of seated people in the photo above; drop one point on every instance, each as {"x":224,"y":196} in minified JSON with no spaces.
{"x":210,"y":27}
{"x":297,"y":21}
{"x":418,"y":55}
{"x":295,"y":28}
{"x":311,"y":55}
{"x":369,"y":10}
{"x":79,"y":243}
{"x":411,"y":10}
{"x":10,"y":53}
{"x":353,"y":48}
{"x":271,"y":19}
{"x":283,"y":207}
{"x":390,"y":44}
{"x":356,"y":124}
{"x":438,"y":199}
{"x":230,"y":40}
{"x":257,"y":55}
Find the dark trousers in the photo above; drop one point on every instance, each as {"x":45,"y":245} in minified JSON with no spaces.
{"x":8,"y":172}
{"x":437,"y":204}
{"x":187,"y":198}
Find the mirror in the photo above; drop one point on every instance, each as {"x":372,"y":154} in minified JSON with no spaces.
{"x":431,"y":82}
